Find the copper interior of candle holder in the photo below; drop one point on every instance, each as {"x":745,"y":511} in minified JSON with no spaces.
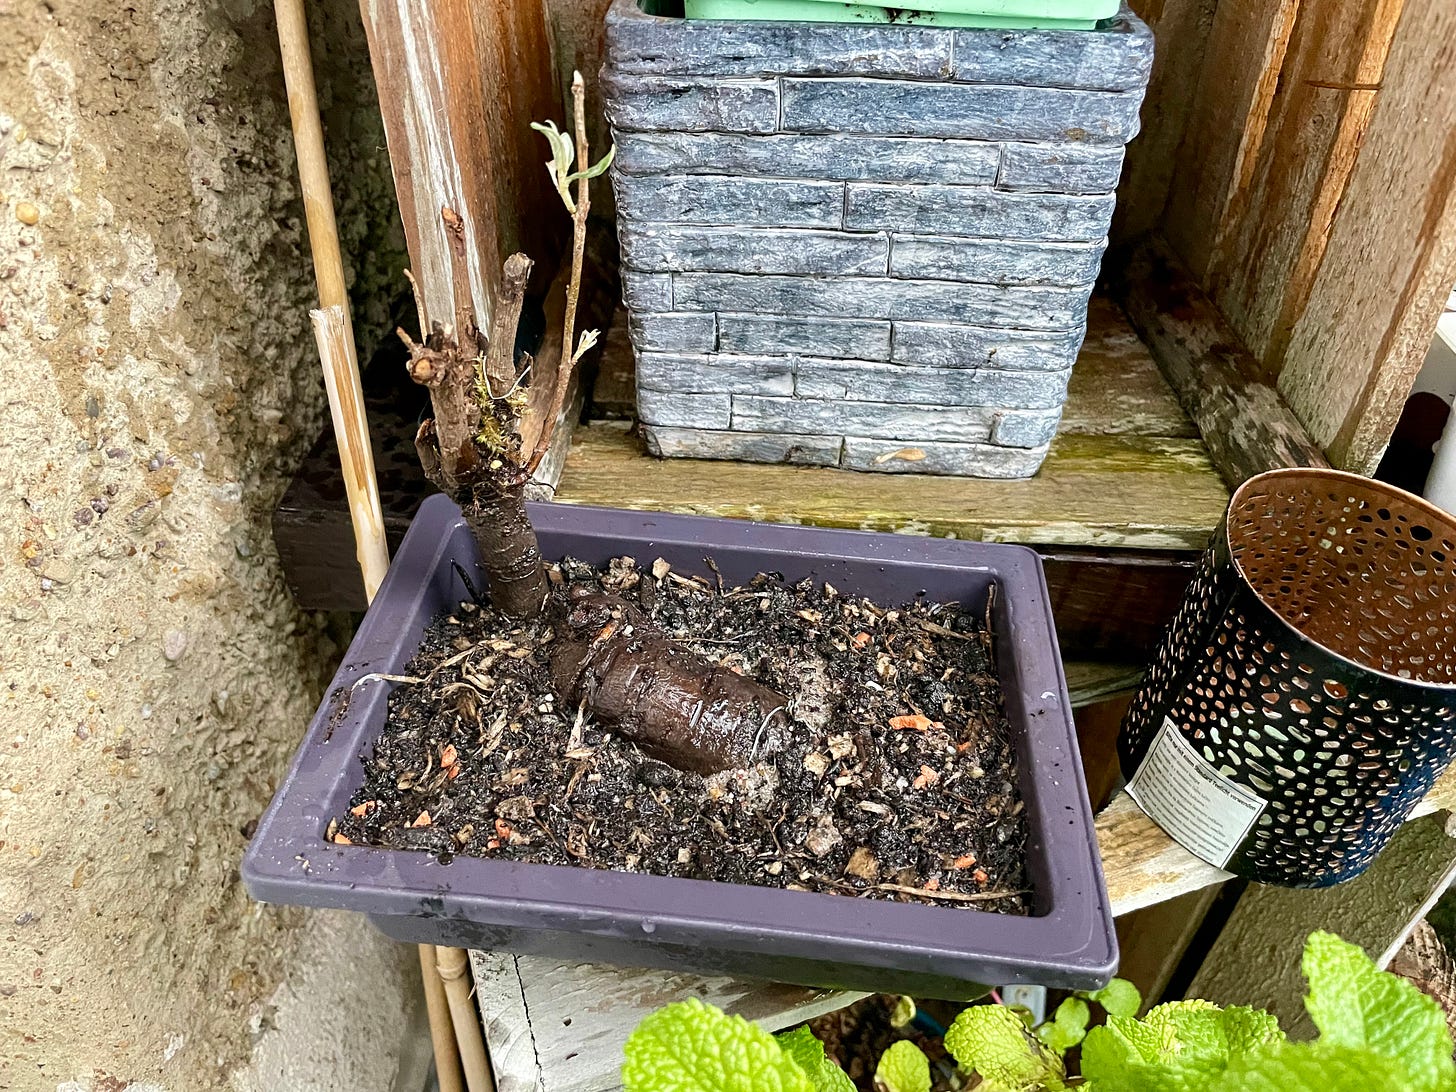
{"x":1364,"y":569}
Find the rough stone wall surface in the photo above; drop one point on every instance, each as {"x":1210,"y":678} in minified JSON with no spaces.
{"x":881,"y":237}
{"x":159,"y":386}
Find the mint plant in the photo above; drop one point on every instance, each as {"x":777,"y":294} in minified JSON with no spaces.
{"x":1376,"y":1031}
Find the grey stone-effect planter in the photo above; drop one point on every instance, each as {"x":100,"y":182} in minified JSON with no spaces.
{"x":859,"y":245}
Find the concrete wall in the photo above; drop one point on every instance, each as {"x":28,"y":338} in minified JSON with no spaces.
{"x":159,"y":385}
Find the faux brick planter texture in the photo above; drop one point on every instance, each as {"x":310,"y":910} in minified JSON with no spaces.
{"x":864,"y":246}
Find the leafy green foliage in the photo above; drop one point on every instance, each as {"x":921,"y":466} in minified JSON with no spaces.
{"x":1119,"y":997}
{"x":807,"y":1053}
{"x":1067,"y":1027}
{"x":904,"y":1068}
{"x":692,"y":1047}
{"x":992,"y":1041}
{"x":1356,"y":1005}
{"x":1377,"y":1032}
{"x":1313,"y":1067}
{"x":1184,"y":1044}
{"x":563,"y":155}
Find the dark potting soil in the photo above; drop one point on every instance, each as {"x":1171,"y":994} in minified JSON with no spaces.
{"x":900,"y":784}
{"x":857,"y":1037}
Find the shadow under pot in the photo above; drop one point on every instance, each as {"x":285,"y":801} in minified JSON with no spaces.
{"x":1303,"y":698}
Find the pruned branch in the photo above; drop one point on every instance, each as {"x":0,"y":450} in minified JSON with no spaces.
{"x":420,"y":308}
{"x":449,"y":373}
{"x":467,"y":329}
{"x":579,"y":211}
{"x":500,"y":355}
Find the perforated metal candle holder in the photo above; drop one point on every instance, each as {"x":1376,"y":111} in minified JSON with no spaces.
{"x":1303,"y":698}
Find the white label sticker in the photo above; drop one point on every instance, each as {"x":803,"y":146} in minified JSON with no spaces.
{"x":1202,"y":810}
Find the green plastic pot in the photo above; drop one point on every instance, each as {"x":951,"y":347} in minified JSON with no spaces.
{"x":1048,"y":14}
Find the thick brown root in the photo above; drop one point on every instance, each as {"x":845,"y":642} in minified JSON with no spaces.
{"x":675,"y":705}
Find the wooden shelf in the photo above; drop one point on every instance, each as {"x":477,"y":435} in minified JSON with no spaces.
{"x":1127,"y":471}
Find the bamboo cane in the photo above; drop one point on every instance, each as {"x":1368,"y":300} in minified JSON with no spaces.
{"x":335,"y":335}
{"x":356,"y":457}
{"x":442,"y":1034}
{"x":454,"y":970}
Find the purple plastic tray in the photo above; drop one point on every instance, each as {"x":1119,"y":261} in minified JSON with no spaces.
{"x":696,"y":925}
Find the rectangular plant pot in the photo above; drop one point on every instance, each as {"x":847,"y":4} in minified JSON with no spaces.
{"x":860,"y":245}
{"x":694,"y":925}
{"x":1047,"y":14}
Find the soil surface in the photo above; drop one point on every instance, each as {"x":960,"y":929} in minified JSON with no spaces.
{"x":858,"y":1036}
{"x":900,"y":781}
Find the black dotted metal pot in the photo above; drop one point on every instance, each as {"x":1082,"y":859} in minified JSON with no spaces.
{"x":1303,"y":698}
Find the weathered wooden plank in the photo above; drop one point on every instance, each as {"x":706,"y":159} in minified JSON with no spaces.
{"x":428,"y":116}
{"x":459,"y":84}
{"x":1241,"y":416}
{"x":581,"y":1014}
{"x":1391,"y":259}
{"x":1116,"y":387}
{"x":1128,"y":491}
{"x":1272,"y":240}
{"x":1240,"y":72}
{"x":1142,"y":865}
{"x":513,"y":46}
{"x":507,"y":1024}
{"x":1181,"y":29}
{"x":1114,"y":602}
{"x":1256,"y":959}
{"x":1091,"y":681}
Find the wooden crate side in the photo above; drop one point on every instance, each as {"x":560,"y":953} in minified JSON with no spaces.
{"x":1275,"y":232}
{"x":1391,"y":259}
{"x":1226,"y":126}
{"x":1181,"y":30}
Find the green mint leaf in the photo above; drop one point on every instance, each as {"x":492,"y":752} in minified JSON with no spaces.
{"x":808,"y":1054}
{"x":1354,"y":1004}
{"x":1068,"y":1027}
{"x":992,"y":1041}
{"x":1111,"y":1060}
{"x":904,"y":1068}
{"x":1119,"y":998}
{"x":1182,"y":1045}
{"x":691,"y":1047}
{"x":1246,"y":1030}
{"x":1315,"y":1067}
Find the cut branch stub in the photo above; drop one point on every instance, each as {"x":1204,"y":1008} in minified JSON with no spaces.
{"x":471,"y":447}
{"x":500,"y":355}
{"x":449,"y":373}
{"x":677,"y":706}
